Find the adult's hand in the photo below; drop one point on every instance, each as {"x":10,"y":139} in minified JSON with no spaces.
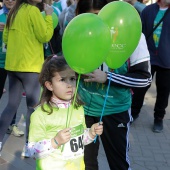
{"x":48,"y":9}
{"x":96,"y":76}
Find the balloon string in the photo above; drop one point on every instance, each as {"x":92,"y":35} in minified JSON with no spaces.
{"x":67,"y":116}
{"x":104,"y":104}
{"x":74,"y":98}
{"x":68,"y":120}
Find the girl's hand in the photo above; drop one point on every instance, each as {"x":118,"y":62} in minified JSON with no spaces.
{"x":48,"y":9}
{"x":96,"y":129}
{"x":96,"y":76}
{"x":62,"y":137}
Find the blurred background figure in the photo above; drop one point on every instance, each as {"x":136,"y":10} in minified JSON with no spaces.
{"x":139,"y":6}
{"x":67,"y":15}
{"x":155,"y":26}
{"x":54,"y":45}
{"x":26,"y":28}
{"x":6,"y":6}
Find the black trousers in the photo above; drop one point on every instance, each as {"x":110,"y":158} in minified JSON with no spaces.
{"x":3,"y":75}
{"x":162,"y":82}
{"x":114,"y":139}
{"x":18,"y":81}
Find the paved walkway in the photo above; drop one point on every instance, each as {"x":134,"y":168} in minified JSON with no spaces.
{"x":149,"y":151}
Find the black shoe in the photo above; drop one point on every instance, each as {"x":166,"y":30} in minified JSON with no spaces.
{"x":134,"y":118}
{"x":9,"y":131}
{"x":158,"y":125}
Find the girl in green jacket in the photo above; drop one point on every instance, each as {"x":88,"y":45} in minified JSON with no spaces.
{"x":24,"y":35}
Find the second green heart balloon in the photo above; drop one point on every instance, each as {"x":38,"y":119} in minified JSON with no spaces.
{"x":125,"y":27}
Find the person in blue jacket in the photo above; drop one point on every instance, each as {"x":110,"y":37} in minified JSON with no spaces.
{"x":158,"y":42}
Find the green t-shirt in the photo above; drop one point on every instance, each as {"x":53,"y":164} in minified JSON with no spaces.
{"x":2,"y":49}
{"x":157,"y":32}
{"x":45,"y":126}
{"x":93,"y":95}
{"x":58,"y":5}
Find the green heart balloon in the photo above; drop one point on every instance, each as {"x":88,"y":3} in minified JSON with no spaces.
{"x":86,"y":42}
{"x":54,"y":17}
{"x":125,"y":27}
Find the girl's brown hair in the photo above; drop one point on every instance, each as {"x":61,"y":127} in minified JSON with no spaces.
{"x":84,"y":6}
{"x":50,"y":67}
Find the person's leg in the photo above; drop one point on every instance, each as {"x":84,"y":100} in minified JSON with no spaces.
{"x":162,"y":81}
{"x":14,"y":129}
{"x":9,"y":130}
{"x":13,"y":120}
{"x":115,"y":139}
{"x":32,"y":88}
{"x":3,"y":75}
{"x":137,"y":100}
{"x":138,"y":97}
{"x":15,"y":90}
{"x":91,"y":150}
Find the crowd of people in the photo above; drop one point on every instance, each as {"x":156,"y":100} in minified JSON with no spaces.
{"x":61,"y":126}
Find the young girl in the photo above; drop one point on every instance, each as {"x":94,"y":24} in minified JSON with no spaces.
{"x":57,"y":130}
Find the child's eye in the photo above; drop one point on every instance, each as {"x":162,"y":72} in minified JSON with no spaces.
{"x":62,"y":79}
{"x":73,"y":79}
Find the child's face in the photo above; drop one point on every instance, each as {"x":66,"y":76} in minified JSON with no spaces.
{"x":9,"y":3}
{"x":63,"y":84}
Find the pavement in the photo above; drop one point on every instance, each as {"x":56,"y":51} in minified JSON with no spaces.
{"x":148,"y":150}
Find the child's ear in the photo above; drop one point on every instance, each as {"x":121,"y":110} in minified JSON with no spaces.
{"x":48,"y":85}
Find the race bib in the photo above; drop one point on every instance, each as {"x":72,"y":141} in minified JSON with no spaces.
{"x":74,"y":148}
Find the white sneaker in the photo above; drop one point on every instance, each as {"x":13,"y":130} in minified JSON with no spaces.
{"x":25,"y":152}
{"x":0,"y":147}
{"x":15,"y":131}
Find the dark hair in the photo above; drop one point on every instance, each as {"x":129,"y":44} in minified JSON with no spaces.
{"x":84,"y":6}
{"x":141,"y":1}
{"x":52,"y":65}
{"x":14,"y":10}
{"x":41,"y":6}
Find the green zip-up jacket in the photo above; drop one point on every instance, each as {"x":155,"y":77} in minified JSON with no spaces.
{"x":25,"y":39}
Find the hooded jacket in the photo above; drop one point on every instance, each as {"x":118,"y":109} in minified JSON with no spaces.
{"x":25,"y":39}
